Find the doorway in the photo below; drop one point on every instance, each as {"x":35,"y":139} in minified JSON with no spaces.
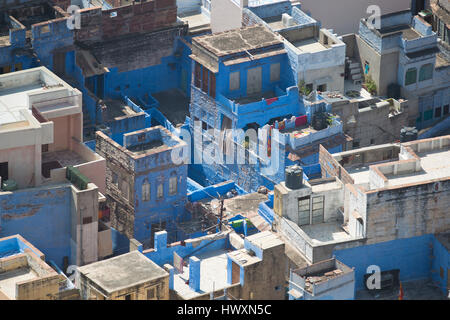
{"x":59,"y":63}
{"x":254,"y":80}
{"x":4,"y":171}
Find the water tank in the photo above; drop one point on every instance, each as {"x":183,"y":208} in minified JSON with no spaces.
{"x":294,"y":177}
{"x":9,"y":185}
{"x":320,"y":121}
{"x":408,"y":134}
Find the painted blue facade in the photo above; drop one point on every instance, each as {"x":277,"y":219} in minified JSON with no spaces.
{"x":162,"y":253}
{"x":42,"y":216}
{"x":154,"y":169}
{"x":416,"y":258}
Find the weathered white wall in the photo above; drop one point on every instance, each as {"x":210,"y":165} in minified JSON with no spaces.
{"x":343,"y":16}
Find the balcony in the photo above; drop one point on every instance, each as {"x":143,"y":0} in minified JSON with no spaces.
{"x":262,"y":107}
{"x":298,"y":137}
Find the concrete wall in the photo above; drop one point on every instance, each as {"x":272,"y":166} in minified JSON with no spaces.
{"x":22,"y":165}
{"x":223,"y":22}
{"x":330,"y":14}
{"x":399,"y":212}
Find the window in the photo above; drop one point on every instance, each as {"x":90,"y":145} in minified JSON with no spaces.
{"x":410,"y":76}
{"x":197,"y":75}
{"x":322,"y":87}
{"x":124,"y":188}
{"x":115,"y":178}
{"x":44,"y":148}
{"x":151,"y":294}
{"x":128,"y":297}
{"x":173,"y":185}
{"x":87,"y":220}
{"x":205,"y":80}
{"x":5,"y":69}
{"x":426,"y":72}
{"x":446,"y":109}
{"x":372,"y":141}
{"x":160,"y":191}
{"x":428,"y":115}
{"x":275,"y":72}
{"x":303,"y":211}
{"x":212,"y":85}
{"x":437,"y":112}
{"x":317,"y":210}
{"x":204,"y":125}
{"x":234,"y":80}
{"x":355,"y":144}
{"x":145,"y":191}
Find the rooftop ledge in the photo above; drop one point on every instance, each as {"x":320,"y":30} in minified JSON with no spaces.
{"x":258,"y":102}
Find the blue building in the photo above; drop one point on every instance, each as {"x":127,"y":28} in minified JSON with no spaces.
{"x":243,"y":83}
{"x":146,"y":183}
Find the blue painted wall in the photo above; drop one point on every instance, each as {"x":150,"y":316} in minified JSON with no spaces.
{"x":164,"y":254}
{"x":441,"y":259}
{"x":413,"y":256}
{"x":42,"y":217}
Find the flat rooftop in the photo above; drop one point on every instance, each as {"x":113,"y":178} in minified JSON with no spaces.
{"x":196,"y":20}
{"x":173,"y":104}
{"x":360,"y":172}
{"x":326,"y":232}
{"x":9,"y":279}
{"x":408,"y":33}
{"x":116,"y":108}
{"x":15,"y":88}
{"x":124,"y":271}
{"x":213,"y":275}
{"x":276,"y":22}
{"x":238,"y":40}
{"x":309,"y":45}
{"x":435,"y":165}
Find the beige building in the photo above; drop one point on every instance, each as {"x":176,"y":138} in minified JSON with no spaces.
{"x":41,"y":123}
{"x":24,"y":275}
{"x":130,"y":276}
{"x":366,"y":196}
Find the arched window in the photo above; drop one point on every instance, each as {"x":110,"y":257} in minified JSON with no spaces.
{"x":145,"y":190}
{"x":426,"y":72}
{"x":411,"y":76}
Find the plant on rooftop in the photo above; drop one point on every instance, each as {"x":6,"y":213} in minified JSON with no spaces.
{"x":370,"y":85}
{"x":302,"y":89}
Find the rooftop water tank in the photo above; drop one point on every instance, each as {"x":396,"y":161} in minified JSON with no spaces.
{"x":294,"y":177}
{"x":408,"y":134}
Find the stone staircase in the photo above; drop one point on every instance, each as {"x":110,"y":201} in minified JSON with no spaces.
{"x":354,"y":71}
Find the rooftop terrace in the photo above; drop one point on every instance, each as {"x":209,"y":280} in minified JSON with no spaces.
{"x":124,"y":271}
{"x":238,"y":40}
